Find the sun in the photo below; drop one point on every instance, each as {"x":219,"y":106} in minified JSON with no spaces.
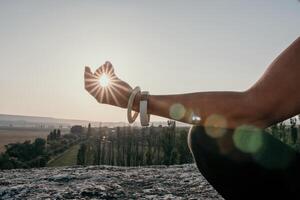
{"x":104,"y":80}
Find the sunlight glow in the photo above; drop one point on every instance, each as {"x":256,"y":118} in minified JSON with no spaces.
{"x":104,"y":80}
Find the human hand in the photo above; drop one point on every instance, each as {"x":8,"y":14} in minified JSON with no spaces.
{"x":106,"y":87}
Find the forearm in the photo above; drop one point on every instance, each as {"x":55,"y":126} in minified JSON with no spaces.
{"x":231,"y":108}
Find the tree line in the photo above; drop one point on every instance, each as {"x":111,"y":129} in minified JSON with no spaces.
{"x":134,"y":146}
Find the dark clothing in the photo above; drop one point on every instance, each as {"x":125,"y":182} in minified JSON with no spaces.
{"x":240,"y":166}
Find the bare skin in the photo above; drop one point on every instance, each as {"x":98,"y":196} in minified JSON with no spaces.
{"x":273,"y":98}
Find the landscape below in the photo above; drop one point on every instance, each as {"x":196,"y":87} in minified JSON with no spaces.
{"x":116,"y":146}
{"x":103,"y":162}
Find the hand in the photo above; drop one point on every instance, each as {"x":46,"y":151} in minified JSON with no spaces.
{"x":116,"y":93}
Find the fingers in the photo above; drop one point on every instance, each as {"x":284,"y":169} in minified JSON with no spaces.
{"x":87,"y":69}
{"x":109,"y":70}
{"x":99,"y":71}
{"x":106,"y":68}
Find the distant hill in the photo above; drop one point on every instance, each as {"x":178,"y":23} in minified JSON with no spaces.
{"x":29,"y":121}
{"x":36,"y":121}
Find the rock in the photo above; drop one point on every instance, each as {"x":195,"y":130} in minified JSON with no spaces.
{"x":106,"y":182}
{"x":61,"y":178}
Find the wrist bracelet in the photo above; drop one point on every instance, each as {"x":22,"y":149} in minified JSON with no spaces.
{"x":131,"y":118}
{"x":144,"y":116}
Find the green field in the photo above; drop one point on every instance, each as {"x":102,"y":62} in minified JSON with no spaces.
{"x":68,"y":158}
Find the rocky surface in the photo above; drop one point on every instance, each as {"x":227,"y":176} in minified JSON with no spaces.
{"x":106,"y":182}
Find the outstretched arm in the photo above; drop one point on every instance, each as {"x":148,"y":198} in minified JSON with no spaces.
{"x":272,"y":99}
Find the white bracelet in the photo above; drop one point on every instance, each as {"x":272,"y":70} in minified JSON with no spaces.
{"x":134,"y":92}
{"x":144,"y":116}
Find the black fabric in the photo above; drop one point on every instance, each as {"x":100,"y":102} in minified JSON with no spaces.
{"x":270,"y":172}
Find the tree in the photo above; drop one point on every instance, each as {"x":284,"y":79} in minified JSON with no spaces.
{"x":39,"y":146}
{"x":58,"y":134}
{"x":184,"y":155}
{"x":98,"y":151}
{"x":54,"y":134}
{"x":112,"y":153}
{"x":118,"y":156}
{"x":103,"y":151}
{"x":5,"y":162}
{"x":168,"y":143}
{"x":25,"y":155}
{"x":89,"y":131}
{"x":282,"y":135}
{"x":149,"y":155}
{"x":294,"y":131}
{"x":129,"y":146}
{"x":81,"y":154}
{"x":142,"y":147}
{"x":275,"y":131}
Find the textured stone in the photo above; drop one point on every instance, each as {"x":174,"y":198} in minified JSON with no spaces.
{"x":106,"y":182}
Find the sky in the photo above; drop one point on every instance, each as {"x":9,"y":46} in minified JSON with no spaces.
{"x":165,"y":47}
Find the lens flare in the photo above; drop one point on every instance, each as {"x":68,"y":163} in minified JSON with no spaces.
{"x":248,"y":139}
{"x":177,"y":111}
{"x":215,"y":126}
{"x":104,"y":80}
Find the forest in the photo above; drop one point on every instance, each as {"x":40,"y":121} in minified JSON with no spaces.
{"x":135,"y":146}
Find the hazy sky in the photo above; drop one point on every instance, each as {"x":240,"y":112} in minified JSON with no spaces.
{"x":163,"y":46}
